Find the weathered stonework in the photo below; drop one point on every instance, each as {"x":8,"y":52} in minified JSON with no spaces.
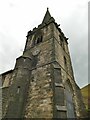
{"x":42,"y":84}
{"x":40,"y":98}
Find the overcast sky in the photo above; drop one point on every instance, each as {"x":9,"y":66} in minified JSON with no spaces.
{"x":17,"y":17}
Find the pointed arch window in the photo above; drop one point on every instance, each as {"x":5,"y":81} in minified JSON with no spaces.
{"x":65,"y":63}
{"x":62,"y":42}
{"x":39,"y":39}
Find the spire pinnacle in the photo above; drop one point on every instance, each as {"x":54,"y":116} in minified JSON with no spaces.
{"x":47,"y":16}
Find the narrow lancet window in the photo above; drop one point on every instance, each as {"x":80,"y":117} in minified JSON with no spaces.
{"x":39,"y":40}
{"x":18,"y":89}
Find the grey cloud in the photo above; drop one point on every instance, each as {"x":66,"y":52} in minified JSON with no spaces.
{"x":9,"y":51}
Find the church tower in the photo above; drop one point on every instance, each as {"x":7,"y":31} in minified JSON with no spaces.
{"x":42,"y":84}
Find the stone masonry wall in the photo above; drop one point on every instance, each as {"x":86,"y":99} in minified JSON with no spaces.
{"x":67,"y":73}
{"x":7,"y":79}
{"x":40,"y":94}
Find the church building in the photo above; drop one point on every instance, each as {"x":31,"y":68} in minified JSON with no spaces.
{"x":42,"y":83}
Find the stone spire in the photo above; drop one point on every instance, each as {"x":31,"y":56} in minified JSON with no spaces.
{"x":47,"y":16}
